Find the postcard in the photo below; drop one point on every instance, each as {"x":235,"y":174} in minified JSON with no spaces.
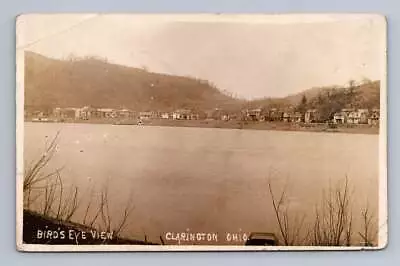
{"x":211,"y":132}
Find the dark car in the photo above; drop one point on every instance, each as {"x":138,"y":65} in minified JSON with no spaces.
{"x":262,"y":239}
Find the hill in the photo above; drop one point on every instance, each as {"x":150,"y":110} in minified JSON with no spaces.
{"x":94,"y":82}
{"x":328,"y":100}
{"x":91,"y":81}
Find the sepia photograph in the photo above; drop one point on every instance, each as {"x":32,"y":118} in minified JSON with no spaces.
{"x":201,"y":132}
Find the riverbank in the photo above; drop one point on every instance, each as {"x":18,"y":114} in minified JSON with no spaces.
{"x":235,"y":124}
{"x":256,"y":125}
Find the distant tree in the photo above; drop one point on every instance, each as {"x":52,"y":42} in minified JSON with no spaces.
{"x":304,"y":100}
{"x":351,"y":91}
{"x":320,"y":99}
{"x":352,"y":83}
{"x":328,"y":94}
{"x":302,"y":105}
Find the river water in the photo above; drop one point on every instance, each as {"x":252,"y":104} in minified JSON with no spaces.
{"x":205,"y":179}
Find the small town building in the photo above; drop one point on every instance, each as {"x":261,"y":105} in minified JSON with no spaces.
{"x":297,"y":117}
{"x":165,"y":115}
{"x":363,"y":114}
{"x":145,"y":115}
{"x":347,"y":111}
{"x":234,"y":116}
{"x":85,"y":113}
{"x":194,"y":116}
{"x":274,"y":115}
{"x":96,"y":114}
{"x":108,"y":113}
{"x":183,"y":114}
{"x":253,"y":114}
{"x":358,"y":117}
{"x":39,"y":114}
{"x":125,"y":114}
{"x":353,"y":118}
{"x":286,"y":117}
{"x":339,"y":118}
{"x":373,"y":118}
{"x":225,"y":117}
{"x":66,"y":113}
{"x":311,"y":116}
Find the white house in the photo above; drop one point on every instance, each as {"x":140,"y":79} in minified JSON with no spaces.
{"x":165,"y":115}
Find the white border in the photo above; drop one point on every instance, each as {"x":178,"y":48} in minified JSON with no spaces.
{"x":383,"y":176}
{"x":194,"y":248}
{"x":248,"y":18}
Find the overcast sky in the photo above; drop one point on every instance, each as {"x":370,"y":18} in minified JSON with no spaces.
{"x":249,"y":56}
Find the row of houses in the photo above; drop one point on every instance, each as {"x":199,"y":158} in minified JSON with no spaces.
{"x":271,"y":115}
{"x":88,"y":113}
{"x":181,"y":114}
{"x":345,"y":116}
{"x":360,"y":116}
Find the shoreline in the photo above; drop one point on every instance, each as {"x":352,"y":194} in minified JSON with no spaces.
{"x":235,"y":124}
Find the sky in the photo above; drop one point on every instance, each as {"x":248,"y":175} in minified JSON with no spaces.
{"x":251,"y":56}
